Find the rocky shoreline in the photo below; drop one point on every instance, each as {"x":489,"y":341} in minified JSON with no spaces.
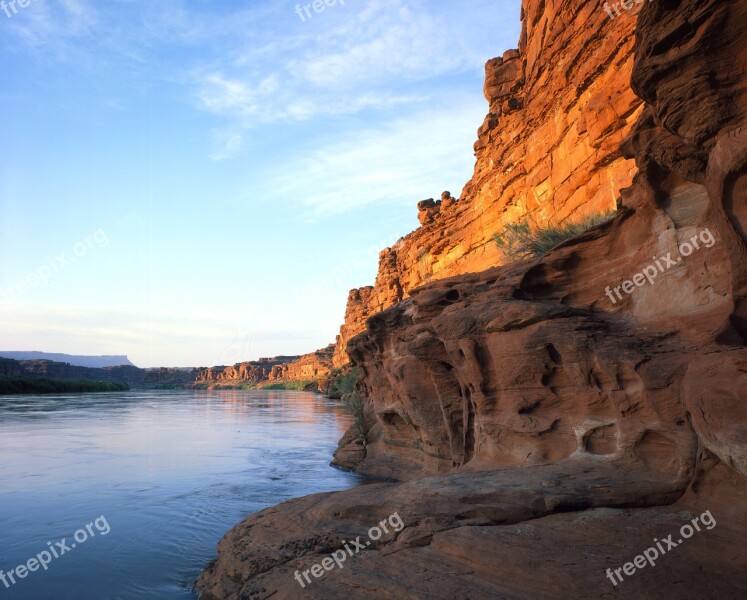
{"x":539,"y":438}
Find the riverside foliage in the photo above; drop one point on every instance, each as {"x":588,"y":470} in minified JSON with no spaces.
{"x":44,"y":385}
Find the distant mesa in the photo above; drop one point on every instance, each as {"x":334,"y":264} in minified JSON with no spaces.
{"x":98,"y":362}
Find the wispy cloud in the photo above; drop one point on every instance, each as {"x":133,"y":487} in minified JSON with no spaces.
{"x":386,"y":40}
{"x":374,"y":56}
{"x":257,"y":65}
{"x":397,"y":162}
{"x":226,"y":96}
{"x":53,"y":23}
{"x":266,"y":102}
{"x":227,"y":144}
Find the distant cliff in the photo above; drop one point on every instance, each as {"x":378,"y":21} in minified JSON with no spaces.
{"x":72,"y":359}
{"x":244,"y":373}
{"x":130,"y":375}
{"x":312,"y":368}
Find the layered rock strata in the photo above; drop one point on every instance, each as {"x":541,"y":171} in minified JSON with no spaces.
{"x":313,"y":367}
{"x":549,"y":150}
{"x":356,"y":314}
{"x":550,"y":420}
{"x":248,"y":372}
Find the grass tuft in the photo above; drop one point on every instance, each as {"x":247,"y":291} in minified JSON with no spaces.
{"x":355,"y":406}
{"x":526,"y":238}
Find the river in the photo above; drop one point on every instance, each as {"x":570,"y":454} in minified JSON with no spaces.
{"x":148,"y":481}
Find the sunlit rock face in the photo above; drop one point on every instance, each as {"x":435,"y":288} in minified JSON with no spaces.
{"x":542,"y":360}
{"x":547,"y":419}
{"x":312,"y":367}
{"x":558,"y":109}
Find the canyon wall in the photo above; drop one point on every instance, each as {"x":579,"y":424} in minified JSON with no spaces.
{"x":249,"y":372}
{"x":100,"y":361}
{"x":549,"y":418}
{"x":356,"y":313}
{"x":313,"y":367}
{"x":549,"y":149}
{"x":131,"y":375}
{"x":550,"y":359}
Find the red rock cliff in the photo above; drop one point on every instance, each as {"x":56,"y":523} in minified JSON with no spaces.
{"x":545,"y":361}
{"x":553,"y":416}
{"x":249,"y":372}
{"x":559,"y":109}
{"x":315,"y":366}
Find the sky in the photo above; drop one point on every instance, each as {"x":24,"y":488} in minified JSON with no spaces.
{"x":198,"y":183}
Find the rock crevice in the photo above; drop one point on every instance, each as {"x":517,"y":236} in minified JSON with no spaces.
{"x":540,"y":430}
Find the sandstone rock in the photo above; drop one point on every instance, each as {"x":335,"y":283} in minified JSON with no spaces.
{"x":542,"y":432}
{"x":314,"y":366}
{"x":356,"y":313}
{"x":573,"y":66}
{"x":426,"y":204}
{"x":492,"y":534}
{"x":428,"y":210}
{"x":447,"y":201}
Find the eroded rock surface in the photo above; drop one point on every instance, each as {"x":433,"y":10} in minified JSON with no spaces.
{"x":314,"y":368}
{"x":559,"y":107}
{"x":542,"y":426}
{"x":547,"y":532}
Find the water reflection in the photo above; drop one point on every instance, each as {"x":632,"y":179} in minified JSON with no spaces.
{"x":172,"y":471}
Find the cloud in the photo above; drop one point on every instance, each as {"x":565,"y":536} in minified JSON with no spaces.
{"x":221,"y":95}
{"x":399,"y":161}
{"x":53,"y":23}
{"x":256,"y":65}
{"x":266,"y":102}
{"x":371,"y":56}
{"x":387,"y":39}
{"x":227,"y":144}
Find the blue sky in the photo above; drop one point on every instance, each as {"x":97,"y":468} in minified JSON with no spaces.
{"x":200,"y":183}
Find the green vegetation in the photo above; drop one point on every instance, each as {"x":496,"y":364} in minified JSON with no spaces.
{"x":343,"y":384}
{"x":306,"y":385}
{"x":356,"y":408}
{"x":300,"y":386}
{"x":44,"y":385}
{"x":527,"y":238}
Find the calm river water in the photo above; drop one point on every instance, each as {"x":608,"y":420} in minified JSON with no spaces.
{"x":170,"y":472}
